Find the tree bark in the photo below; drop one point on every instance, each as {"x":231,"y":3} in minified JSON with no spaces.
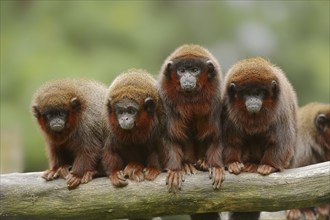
{"x":27,"y":195}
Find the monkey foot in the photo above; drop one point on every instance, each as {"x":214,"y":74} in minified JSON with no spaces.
{"x":202,"y":165}
{"x":134,"y":171}
{"x":309,"y":213}
{"x":250,"y":167}
{"x":264,"y":169}
{"x":174,"y":180}
{"x":151,"y":173}
{"x":72,"y":181}
{"x":118,"y":179}
{"x":217,"y":174}
{"x":293,"y":214}
{"x":189,"y":169}
{"x":324,"y":209}
{"x":235,"y":167}
{"x":88,"y":176}
{"x":62,"y":172}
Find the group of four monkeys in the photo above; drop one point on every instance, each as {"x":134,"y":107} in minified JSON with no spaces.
{"x":190,"y":119}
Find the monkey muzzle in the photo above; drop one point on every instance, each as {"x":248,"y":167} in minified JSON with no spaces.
{"x":253,"y":104}
{"x":188,"y":82}
{"x":57,"y":124}
{"x":126,"y":123}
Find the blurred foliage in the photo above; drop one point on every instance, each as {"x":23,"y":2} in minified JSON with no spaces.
{"x":44,"y":40}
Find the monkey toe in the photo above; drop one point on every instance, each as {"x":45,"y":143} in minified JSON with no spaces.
{"x":73,"y":181}
{"x":309,"y":213}
{"x":293,"y":214}
{"x":235,"y":167}
{"x":218,"y":176}
{"x":137,"y":176}
{"x":324,"y":210}
{"x":250,"y":167}
{"x":174,"y":181}
{"x":264,"y":169}
{"x":189,"y":169}
{"x":151,"y":173}
{"x":118,"y":179}
{"x":202,"y":165}
{"x":49,"y":175}
{"x":63,"y":171}
{"x":88,"y":176}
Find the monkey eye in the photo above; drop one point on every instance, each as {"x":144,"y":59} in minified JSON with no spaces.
{"x":131,"y":111}
{"x":181,"y":70}
{"x":194,"y":70}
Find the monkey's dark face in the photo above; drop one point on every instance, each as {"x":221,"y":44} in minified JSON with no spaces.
{"x":253,"y":96}
{"x":57,"y":121}
{"x":128,"y":113}
{"x":189,"y":74}
{"x":322,"y":123}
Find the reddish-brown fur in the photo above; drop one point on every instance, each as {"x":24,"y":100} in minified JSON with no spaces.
{"x":262,"y":142}
{"x":80,"y":144}
{"x":133,"y":153}
{"x":193,"y":128}
{"x":313,"y":146}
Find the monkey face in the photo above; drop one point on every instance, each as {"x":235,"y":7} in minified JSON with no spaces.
{"x":127,"y":111}
{"x":54,"y":120}
{"x":189,"y":73}
{"x":252,"y":95}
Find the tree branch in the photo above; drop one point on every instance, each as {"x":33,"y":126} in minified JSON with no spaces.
{"x":28,"y":195}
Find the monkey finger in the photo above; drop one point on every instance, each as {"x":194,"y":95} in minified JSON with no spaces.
{"x":73,"y":181}
{"x":235,"y":167}
{"x":293,"y":214}
{"x":64,"y":172}
{"x":170,"y":180}
{"x":88,"y":176}
{"x":264,"y":169}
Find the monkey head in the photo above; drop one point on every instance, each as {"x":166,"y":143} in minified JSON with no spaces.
{"x":56,"y":111}
{"x":132,"y":105}
{"x":189,"y":71}
{"x":252,"y":90}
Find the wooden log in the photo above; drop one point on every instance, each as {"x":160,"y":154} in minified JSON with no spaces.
{"x":27,"y":195}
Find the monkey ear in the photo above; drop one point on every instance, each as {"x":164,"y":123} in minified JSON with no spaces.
{"x":149,"y":105}
{"x":109,"y":105}
{"x":75,"y":103}
{"x":320,"y":120}
{"x":36,"y":111}
{"x":274,"y":86}
{"x":210,"y":69}
{"x":168,"y":68}
{"x":232,"y":88}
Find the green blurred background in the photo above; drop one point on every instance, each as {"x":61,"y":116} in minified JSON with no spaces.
{"x":44,"y":40}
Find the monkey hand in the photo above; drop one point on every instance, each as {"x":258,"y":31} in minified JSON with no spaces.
{"x":189,"y":169}
{"x":134,"y":171}
{"x":235,"y":167}
{"x":72,"y":181}
{"x":323,"y":210}
{"x":174,"y":180}
{"x":202,"y":165}
{"x":88,"y":176}
{"x":150,"y":173}
{"x":265,"y":169}
{"x":217,"y":174}
{"x":118,"y":179}
{"x":62,"y":172}
{"x":250,"y":167}
{"x":293,"y":214}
